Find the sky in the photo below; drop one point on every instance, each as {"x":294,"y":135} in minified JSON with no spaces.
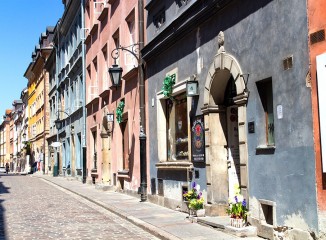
{"x":21,"y":25}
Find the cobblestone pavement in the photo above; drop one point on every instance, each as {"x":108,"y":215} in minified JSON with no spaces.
{"x":33,"y":209}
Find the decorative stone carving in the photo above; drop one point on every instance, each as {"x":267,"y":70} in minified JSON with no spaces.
{"x":220,"y":41}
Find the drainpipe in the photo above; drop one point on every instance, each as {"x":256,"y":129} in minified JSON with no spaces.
{"x":55,"y":169}
{"x":84,"y":165}
{"x":142,"y":134}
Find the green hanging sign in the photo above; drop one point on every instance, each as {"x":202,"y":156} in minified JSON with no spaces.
{"x":119,"y":111}
{"x":168,"y":83}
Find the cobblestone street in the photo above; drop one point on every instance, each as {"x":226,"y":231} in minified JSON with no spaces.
{"x":33,"y":209}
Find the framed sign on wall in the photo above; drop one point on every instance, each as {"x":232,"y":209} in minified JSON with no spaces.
{"x":198,"y":139}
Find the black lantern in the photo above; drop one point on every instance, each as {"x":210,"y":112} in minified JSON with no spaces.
{"x":57,"y":123}
{"x":115,"y":74}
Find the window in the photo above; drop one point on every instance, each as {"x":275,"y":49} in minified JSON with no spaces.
{"x":105,"y":84}
{"x":131,"y":26}
{"x":181,"y":3}
{"x":116,"y":41}
{"x":159,"y":19}
{"x":265,"y":90}
{"x":177,"y":128}
{"x":125,"y":144}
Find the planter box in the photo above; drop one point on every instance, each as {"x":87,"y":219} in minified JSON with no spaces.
{"x":237,"y":222}
{"x":200,"y":212}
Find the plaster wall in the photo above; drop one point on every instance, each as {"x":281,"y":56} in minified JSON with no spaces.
{"x":316,"y":17}
{"x":316,"y":20}
{"x":259,"y":34}
{"x":100,"y":44}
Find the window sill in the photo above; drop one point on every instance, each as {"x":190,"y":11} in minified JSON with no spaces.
{"x":123,"y":173}
{"x":265,"y":149}
{"x":174,"y":165}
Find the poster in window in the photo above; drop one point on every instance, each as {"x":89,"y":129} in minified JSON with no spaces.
{"x":198,"y":139}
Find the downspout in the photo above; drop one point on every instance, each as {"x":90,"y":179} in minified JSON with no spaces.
{"x":56,"y":156}
{"x":84,"y":92}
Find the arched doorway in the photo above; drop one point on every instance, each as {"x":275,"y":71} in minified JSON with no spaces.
{"x":224,"y":110}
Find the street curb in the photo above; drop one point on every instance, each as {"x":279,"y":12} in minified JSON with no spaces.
{"x":157,"y":232}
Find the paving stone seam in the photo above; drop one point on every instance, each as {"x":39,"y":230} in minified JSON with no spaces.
{"x":138,"y":222}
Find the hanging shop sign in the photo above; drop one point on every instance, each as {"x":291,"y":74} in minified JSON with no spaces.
{"x":198,"y":139}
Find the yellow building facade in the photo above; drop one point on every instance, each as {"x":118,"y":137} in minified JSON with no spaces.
{"x":38,"y":110}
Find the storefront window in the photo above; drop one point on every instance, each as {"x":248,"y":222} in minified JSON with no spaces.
{"x":177,"y":128}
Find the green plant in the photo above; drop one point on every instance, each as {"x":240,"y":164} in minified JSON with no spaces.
{"x":194,"y":197}
{"x":168,"y":83}
{"x":196,"y":204}
{"x":119,"y":111}
{"x":238,"y":206}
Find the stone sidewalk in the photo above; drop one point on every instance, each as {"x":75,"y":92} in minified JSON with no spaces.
{"x":159,"y":221}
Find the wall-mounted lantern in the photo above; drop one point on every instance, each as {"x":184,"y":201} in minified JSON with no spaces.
{"x":110,"y":117}
{"x":115,"y":75}
{"x":57,"y":123}
{"x":192,"y":88}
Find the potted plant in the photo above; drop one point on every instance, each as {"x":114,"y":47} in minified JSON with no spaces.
{"x":238,"y":210}
{"x":194,"y":200}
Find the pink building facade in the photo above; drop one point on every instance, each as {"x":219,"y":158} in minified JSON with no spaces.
{"x":112,"y":144}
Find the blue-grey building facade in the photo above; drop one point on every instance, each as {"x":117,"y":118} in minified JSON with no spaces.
{"x":67,"y":92}
{"x":251,"y":64}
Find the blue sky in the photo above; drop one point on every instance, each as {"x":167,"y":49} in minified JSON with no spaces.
{"x":21,"y":24}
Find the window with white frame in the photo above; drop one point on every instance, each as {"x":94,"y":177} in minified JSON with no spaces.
{"x":177,"y":128}
{"x":173,"y":124}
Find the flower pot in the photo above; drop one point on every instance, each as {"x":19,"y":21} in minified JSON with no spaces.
{"x":200,"y":212}
{"x":237,"y":222}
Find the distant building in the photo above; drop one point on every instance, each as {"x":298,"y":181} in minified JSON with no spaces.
{"x":67,"y":92}
{"x":38,"y":82}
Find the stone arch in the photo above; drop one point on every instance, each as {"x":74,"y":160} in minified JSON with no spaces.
{"x":223,"y":63}
{"x":223,"y":67}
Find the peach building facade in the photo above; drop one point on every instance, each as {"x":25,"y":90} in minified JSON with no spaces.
{"x":112,"y":147}
{"x":317,"y":50}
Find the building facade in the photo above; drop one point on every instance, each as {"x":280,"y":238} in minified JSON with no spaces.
{"x":17,"y":133}
{"x":5,"y":138}
{"x":317,"y":74}
{"x":23,"y":149}
{"x":67,"y":91}
{"x":113,"y":156}
{"x":249,"y":131}
{"x":38,"y":81}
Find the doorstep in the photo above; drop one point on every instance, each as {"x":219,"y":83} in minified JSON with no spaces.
{"x":223,"y":224}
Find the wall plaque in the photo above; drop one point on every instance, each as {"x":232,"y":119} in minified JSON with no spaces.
{"x":198,"y":139}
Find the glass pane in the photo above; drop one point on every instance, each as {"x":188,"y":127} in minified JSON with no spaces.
{"x":177,"y":129}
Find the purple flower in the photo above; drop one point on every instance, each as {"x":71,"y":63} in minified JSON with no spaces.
{"x":193,"y":184}
{"x":244,"y":203}
{"x":236,"y":199}
{"x":199,"y":195}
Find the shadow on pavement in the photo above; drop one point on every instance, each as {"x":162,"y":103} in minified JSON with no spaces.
{"x":3,"y":190}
